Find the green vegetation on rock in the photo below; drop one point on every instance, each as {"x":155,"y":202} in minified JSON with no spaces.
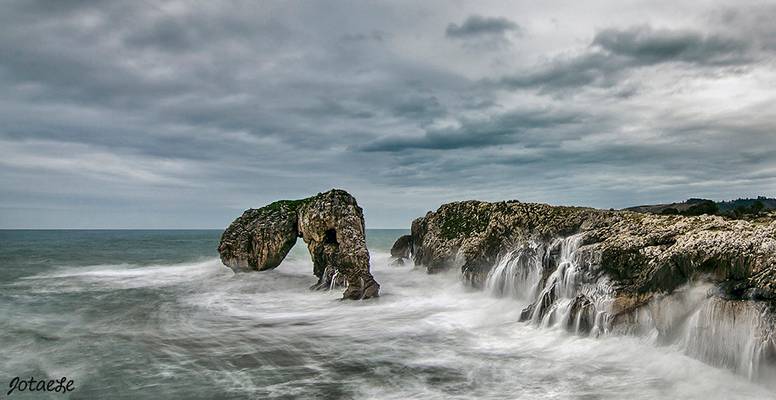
{"x":462,"y":224}
{"x":291,"y":205}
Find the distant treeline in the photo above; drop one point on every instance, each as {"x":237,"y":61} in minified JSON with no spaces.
{"x":739,"y":208}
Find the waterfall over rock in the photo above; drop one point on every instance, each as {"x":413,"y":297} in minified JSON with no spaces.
{"x":554,"y":280}
{"x":518,"y":273}
{"x":704,"y":285}
{"x":734,"y":334}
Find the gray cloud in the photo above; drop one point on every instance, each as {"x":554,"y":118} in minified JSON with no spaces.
{"x":181,"y":114}
{"x":594,"y":69}
{"x":614,"y":53}
{"x":753,"y":24}
{"x":377,"y":36}
{"x":478,"y":26}
{"x":500,"y":129}
{"x":647,"y":46}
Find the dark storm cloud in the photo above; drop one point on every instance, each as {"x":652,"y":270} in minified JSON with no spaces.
{"x":595,"y":69}
{"x":478,"y":26}
{"x":646,"y":46}
{"x":616,"y":163}
{"x":193,"y":111}
{"x":198,"y":69}
{"x":613,"y":53}
{"x":500,"y":129}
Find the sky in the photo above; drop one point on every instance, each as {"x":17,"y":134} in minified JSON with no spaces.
{"x":181,"y":114}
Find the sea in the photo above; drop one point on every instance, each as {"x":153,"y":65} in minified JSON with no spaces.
{"x":153,"y":314}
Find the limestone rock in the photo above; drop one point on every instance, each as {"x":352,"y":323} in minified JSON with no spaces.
{"x":706,"y":283}
{"x":470,"y":235}
{"x":641,"y":253}
{"x":260,"y":238}
{"x":330,"y":223}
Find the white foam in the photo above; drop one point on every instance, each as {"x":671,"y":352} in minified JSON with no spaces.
{"x":724,"y":333}
{"x":428,"y":336}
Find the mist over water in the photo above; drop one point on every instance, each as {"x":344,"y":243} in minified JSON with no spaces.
{"x":169,"y":321}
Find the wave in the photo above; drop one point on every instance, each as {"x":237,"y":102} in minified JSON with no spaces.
{"x":196,"y":330}
{"x":124,"y":276}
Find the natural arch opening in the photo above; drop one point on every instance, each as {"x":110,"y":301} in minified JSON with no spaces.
{"x":331,"y":224}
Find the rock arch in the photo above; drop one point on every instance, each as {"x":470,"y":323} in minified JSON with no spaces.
{"x":332,"y":226}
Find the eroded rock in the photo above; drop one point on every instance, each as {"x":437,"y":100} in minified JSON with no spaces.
{"x":594,"y":272}
{"x":330,"y":223}
{"x":259,"y":239}
{"x":640,"y":253}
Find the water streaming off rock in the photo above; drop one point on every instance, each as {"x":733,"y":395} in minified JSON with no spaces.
{"x":563,"y":292}
{"x":153,"y":315}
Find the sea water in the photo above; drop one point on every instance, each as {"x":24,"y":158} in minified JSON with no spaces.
{"x":154,"y":314}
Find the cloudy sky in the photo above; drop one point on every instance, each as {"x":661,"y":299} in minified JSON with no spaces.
{"x":154,"y":114}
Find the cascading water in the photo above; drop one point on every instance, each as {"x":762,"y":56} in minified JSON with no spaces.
{"x":558,"y":295}
{"x":573,"y":296}
{"x":333,"y":283}
{"x":518,"y":274}
{"x":727,"y":333}
{"x":561,"y":299}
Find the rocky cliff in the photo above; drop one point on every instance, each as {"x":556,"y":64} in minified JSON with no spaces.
{"x":330,"y":223}
{"x":705,"y":283}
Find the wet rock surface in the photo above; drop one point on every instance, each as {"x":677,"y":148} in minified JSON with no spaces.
{"x":332,"y":226}
{"x":640,"y":253}
{"x":597,"y":272}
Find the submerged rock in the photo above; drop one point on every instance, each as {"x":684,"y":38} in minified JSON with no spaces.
{"x":401,"y":249}
{"x":598,"y":272}
{"x":330,"y":223}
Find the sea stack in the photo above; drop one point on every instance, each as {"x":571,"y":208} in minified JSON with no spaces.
{"x":330,"y":223}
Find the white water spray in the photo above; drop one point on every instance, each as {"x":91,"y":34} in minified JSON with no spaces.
{"x":518,"y":274}
{"x":563,"y":299}
{"x":732,"y":334}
